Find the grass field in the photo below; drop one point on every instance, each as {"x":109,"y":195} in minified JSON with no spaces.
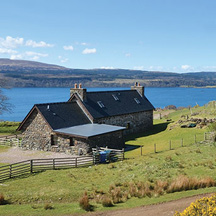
{"x":62,"y":188}
{"x":7,"y":128}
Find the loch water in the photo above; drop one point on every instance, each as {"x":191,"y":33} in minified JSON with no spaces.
{"x":23,"y":99}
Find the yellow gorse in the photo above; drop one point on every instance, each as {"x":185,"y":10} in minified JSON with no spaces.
{"x":202,"y":207}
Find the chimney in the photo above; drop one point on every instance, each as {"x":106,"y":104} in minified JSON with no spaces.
{"x":80,"y":91}
{"x":139,"y":88}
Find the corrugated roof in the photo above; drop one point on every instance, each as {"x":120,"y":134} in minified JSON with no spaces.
{"x":89,"y":130}
{"x":125,"y":104}
{"x":62,"y":115}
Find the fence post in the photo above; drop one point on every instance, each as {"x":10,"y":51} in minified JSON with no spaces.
{"x":141,"y":149}
{"x":31,"y":166}
{"x":170,"y":145}
{"x":53,"y":163}
{"x":10,"y":174}
{"x":155,"y":148}
{"x":182,"y":142}
{"x":123,"y":154}
{"x":76,"y":162}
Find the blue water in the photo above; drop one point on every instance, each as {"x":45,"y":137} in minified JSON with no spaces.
{"x":23,"y":99}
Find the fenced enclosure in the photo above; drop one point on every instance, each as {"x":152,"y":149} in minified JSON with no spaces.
{"x":177,"y":143}
{"x":11,"y":140}
{"x":38,"y":165}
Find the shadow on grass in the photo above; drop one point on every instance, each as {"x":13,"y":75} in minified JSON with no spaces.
{"x":157,"y":128}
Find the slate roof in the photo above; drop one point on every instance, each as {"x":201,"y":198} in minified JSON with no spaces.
{"x":62,"y":115}
{"x":125,"y":104}
{"x":89,"y":130}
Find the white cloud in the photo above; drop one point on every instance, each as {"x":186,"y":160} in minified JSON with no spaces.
{"x":62,"y":59}
{"x":138,"y":68}
{"x":84,"y":44}
{"x":127,"y":54}
{"x":38,"y":44}
{"x":185,"y":67}
{"x":10,"y":42}
{"x":7,"y":51}
{"x":156,"y":68}
{"x":19,"y":56}
{"x":30,"y":53}
{"x":68,"y":48}
{"x":103,"y":67}
{"x":209,"y":68}
{"x":89,"y":51}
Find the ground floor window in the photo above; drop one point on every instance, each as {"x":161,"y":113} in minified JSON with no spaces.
{"x":71,"y":141}
{"x":128,"y":125}
{"x":54,"y":140}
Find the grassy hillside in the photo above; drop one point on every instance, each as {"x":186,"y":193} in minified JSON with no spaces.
{"x":61,"y":189}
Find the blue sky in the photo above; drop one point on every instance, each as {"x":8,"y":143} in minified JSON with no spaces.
{"x":155,"y":35}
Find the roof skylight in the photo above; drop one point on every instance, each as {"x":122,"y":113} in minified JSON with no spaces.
{"x":137,"y":100}
{"x":101,"y":105}
{"x":115,"y":97}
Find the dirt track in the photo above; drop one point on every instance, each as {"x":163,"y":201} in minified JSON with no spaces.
{"x":163,"y":209}
{"x":15,"y":154}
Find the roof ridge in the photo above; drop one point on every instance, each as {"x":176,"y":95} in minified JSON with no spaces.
{"x":52,"y":103}
{"x":126,"y":90}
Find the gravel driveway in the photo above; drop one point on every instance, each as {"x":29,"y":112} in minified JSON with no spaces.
{"x":15,"y":154}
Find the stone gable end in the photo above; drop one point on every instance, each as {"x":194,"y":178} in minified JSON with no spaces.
{"x":37,"y":134}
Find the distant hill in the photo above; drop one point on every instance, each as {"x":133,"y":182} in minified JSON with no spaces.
{"x":8,"y":64}
{"x":20,"y":73}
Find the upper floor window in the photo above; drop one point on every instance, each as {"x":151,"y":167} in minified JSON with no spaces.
{"x":115,"y":97}
{"x":137,"y":100}
{"x":100,"y":104}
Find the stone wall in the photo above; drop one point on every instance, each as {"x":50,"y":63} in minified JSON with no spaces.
{"x":113,"y":140}
{"x":135,"y":122}
{"x":37,"y":134}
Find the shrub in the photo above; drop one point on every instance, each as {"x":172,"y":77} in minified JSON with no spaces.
{"x":205,"y":206}
{"x":2,"y":200}
{"x":107,"y":202}
{"x":48,"y":206}
{"x":84,"y":203}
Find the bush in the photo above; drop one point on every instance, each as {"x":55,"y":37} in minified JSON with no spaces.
{"x":3,"y":201}
{"x":107,"y":202}
{"x":205,"y":206}
{"x":84,"y":203}
{"x":47,"y":206}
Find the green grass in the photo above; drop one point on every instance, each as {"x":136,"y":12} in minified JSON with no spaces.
{"x":63,"y":188}
{"x":8,"y":128}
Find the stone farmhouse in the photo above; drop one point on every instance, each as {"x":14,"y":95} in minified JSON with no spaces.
{"x":87,"y":120}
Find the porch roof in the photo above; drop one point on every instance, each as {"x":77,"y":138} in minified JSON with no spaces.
{"x":89,"y":130}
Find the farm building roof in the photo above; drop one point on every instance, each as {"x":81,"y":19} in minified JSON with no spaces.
{"x":89,"y":130}
{"x":62,"y":115}
{"x":111,"y":103}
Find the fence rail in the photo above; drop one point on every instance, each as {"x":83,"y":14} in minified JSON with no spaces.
{"x":10,"y":140}
{"x":37,"y":165}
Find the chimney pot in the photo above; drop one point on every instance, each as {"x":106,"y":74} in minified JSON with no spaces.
{"x":75,"y":85}
{"x":80,"y":85}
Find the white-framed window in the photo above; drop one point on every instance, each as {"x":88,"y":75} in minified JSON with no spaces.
{"x":101,"y":105}
{"x":115,"y":97}
{"x":137,"y":100}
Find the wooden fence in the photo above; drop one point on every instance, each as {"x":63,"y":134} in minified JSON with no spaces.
{"x":174,"y":144}
{"x":37,"y":165}
{"x":11,"y":140}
